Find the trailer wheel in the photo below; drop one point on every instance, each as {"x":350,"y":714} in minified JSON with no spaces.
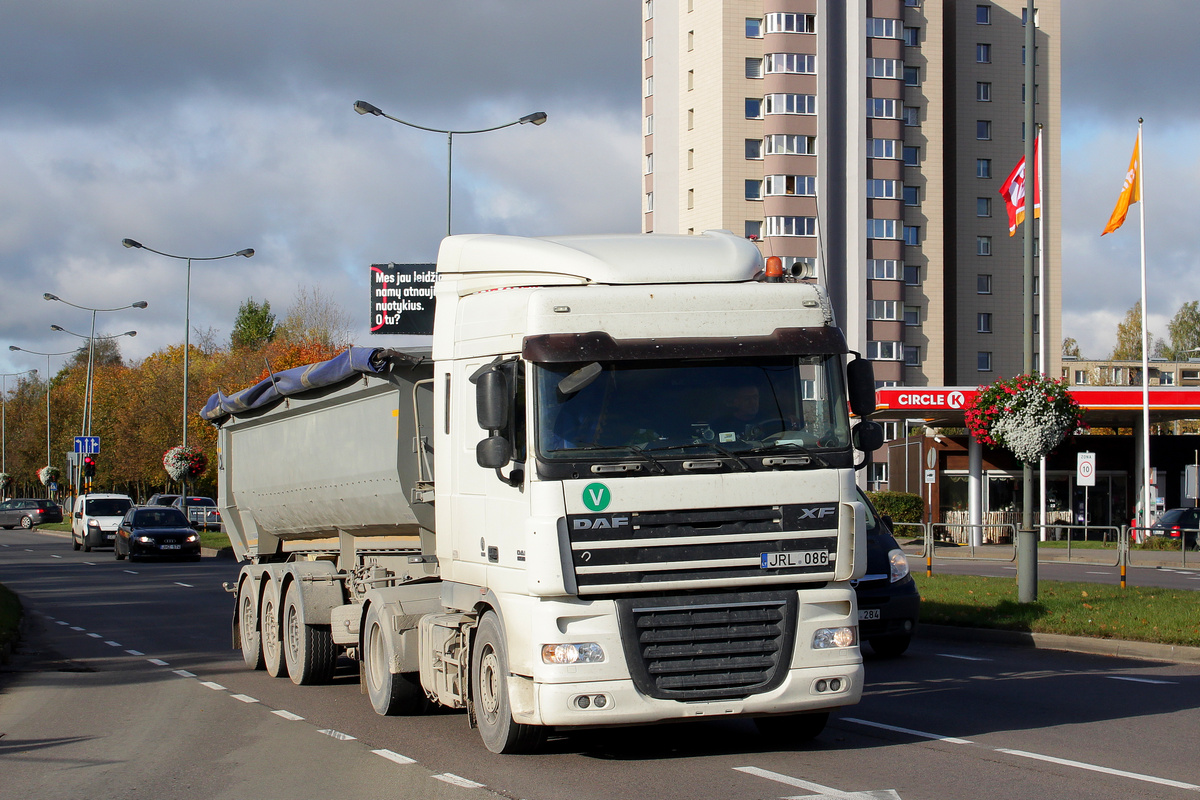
{"x":248,"y":633}
{"x":271,"y":646}
{"x":308,"y":649}
{"x":792,"y":728}
{"x":489,"y":692}
{"x":391,"y":693}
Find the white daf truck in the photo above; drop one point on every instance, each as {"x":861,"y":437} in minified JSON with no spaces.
{"x":619,"y":489}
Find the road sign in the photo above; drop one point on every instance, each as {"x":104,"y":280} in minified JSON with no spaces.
{"x":87,"y":444}
{"x":931,"y":476}
{"x":1085,"y":469}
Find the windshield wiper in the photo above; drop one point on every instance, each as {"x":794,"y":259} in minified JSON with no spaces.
{"x":729,"y":454}
{"x":592,"y":447}
{"x":801,"y":455}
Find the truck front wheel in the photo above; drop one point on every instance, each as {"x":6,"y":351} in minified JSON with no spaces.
{"x":248,"y":633}
{"x":271,"y":646}
{"x":390,"y":692}
{"x":308,"y":649}
{"x":489,"y":693}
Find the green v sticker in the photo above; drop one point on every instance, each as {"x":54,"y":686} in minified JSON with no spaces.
{"x":596,"y":496}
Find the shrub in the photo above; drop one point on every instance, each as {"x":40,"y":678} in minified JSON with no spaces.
{"x":900,"y":506}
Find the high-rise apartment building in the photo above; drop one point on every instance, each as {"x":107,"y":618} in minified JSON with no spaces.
{"x":865,"y":142}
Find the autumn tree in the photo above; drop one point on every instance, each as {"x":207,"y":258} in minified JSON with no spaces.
{"x":255,"y":324}
{"x":1184,"y":332}
{"x":1129,"y":336}
{"x":1070,"y":347}
{"x":314,"y":317}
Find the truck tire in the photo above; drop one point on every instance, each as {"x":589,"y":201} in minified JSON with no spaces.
{"x":391,"y":693}
{"x":308,"y":649}
{"x":271,"y":646}
{"x":792,"y":728}
{"x":489,"y":693}
{"x":249,"y":636}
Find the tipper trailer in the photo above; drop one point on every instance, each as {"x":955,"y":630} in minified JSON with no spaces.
{"x":618,"y":489}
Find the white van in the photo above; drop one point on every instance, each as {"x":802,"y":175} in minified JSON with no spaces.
{"x":95,"y":518}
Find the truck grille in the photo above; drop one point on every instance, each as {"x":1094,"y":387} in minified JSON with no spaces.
{"x":642,"y":551}
{"x":709,"y":647}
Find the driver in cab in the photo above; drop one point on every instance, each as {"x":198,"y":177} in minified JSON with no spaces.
{"x":743,"y":419}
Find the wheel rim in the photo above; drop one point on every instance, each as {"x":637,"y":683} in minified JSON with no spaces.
{"x":26,"y":522}
{"x":375,"y":658}
{"x":489,"y":683}
{"x":248,"y":621}
{"x":269,"y":642}
{"x":292,"y":632}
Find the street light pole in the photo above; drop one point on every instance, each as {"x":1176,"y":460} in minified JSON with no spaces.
{"x":47,"y":355}
{"x":187,"y":309}
{"x":3,"y":414}
{"x":536,"y":118}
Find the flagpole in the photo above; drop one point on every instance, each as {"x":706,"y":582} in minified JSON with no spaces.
{"x":1141,"y":178}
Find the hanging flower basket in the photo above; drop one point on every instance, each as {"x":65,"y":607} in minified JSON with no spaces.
{"x":1027,"y":415}
{"x":185,"y":462}
{"x":49,"y":475}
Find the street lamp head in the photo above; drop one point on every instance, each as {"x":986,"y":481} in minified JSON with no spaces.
{"x":58,"y":328}
{"x":129,"y":333}
{"x":131,"y":243}
{"x":249,"y":251}
{"x":537,"y":118}
{"x":140,"y":304}
{"x":48,"y":296}
{"x":363,"y":107}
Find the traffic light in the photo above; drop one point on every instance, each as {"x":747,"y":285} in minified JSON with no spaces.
{"x":89,"y":465}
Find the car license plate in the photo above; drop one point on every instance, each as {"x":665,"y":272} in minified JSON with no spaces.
{"x":795,"y":558}
{"x":171,"y":546}
{"x":868,"y":613}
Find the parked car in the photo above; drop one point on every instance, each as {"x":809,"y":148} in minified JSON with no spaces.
{"x":201,"y":512}
{"x":28,"y":513}
{"x":888,"y":602}
{"x":162,"y":499}
{"x":155,"y":531}
{"x":95,"y":519}
{"x":1176,"y":523}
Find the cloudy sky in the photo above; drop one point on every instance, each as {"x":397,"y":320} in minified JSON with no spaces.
{"x":204,"y":128}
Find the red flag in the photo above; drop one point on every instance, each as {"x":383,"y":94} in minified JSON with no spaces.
{"x":1013,"y":191}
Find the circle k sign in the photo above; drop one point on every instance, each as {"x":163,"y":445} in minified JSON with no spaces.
{"x":949,"y":399}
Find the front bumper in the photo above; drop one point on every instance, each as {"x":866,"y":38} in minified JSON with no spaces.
{"x":98,"y":537}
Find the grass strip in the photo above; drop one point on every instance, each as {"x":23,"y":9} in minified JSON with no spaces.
{"x":1144,"y":614}
{"x":10,"y":619}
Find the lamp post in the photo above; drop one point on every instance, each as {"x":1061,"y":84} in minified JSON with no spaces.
{"x":3,"y":414}
{"x":536,"y":118}
{"x":187,"y":309}
{"x":47,"y":355}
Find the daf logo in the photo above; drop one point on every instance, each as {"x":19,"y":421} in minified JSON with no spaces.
{"x":600,"y":523}
{"x":817,"y":513}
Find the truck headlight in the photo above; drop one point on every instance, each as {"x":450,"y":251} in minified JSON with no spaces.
{"x":581,"y":653}
{"x":845,"y":636}
{"x":899,"y":565}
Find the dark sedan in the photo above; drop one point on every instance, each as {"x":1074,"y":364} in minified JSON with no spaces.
{"x":156,"y":531}
{"x":888,"y":601}
{"x":29,"y":513}
{"x":1179,"y":523}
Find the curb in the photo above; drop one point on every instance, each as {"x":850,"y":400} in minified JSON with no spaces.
{"x":1120,"y":648}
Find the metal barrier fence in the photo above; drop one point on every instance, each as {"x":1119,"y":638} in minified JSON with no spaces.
{"x":1141,"y":534}
{"x":999,"y":540}
{"x":1110,"y":537}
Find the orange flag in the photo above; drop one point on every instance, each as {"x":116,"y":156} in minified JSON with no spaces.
{"x":1013,"y":192}
{"x":1131,"y":192}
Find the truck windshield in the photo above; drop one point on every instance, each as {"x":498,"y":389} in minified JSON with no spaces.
{"x":691,"y":406}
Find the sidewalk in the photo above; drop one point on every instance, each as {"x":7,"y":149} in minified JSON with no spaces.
{"x":1119,"y":648}
{"x":1006,"y":552}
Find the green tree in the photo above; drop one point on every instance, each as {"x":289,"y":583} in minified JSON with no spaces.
{"x":1070,"y":347}
{"x":1129,"y":336}
{"x":314,"y":317}
{"x":254,"y":326}
{"x":1184,"y":332}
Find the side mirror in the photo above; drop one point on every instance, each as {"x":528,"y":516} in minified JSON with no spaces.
{"x":860,"y":377}
{"x":491,"y":400}
{"x":493,"y":452}
{"x":868,"y":436}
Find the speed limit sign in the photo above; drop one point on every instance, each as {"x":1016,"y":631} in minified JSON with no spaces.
{"x":1085,"y":469}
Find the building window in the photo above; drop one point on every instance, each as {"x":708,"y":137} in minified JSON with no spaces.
{"x":1037,"y":61}
{"x":691,"y":122}
{"x":791,"y":23}
{"x":912,"y":36}
{"x":788,"y":144}
{"x":882,"y":309}
{"x":882,"y":148}
{"x":1081,"y":377}
{"x":691,"y":198}
{"x":1036,"y":17}
{"x":754,"y":68}
{"x":881,"y":28}
{"x":880,"y":189}
{"x":983,"y":54}
{"x":882,"y":269}
{"x":983,"y":168}
{"x":913,"y":3}
{"x":983,"y":15}
{"x":691,"y":79}
{"x":884,"y":351}
{"x":882,"y":108}
{"x":691,"y":41}
{"x":754,"y":149}
{"x":649,"y":163}
{"x":912,"y":156}
{"x":649,"y":124}
{"x":983,"y":284}
{"x":983,"y":323}
{"x":912,"y":275}
{"x":791,"y":63}
{"x":912,"y":356}
{"x":983,"y":245}
{"x":754,"y":108}
{"x":648,"y":10}
{"x":1035,"y":93}
{"x":754,"y":229}
{"x":753,"y":28}
{"x":912,"y":195}
{"x":912,"y":116}
{"x":983,"y":92}
{"x":691,"y":158}
{"x":877,"y":476}
{"x":912,"y":235}
{"x":798,"y":185}
{"x":882,"y":228}
{"x":983,"y":206}
{"x":649,"y":202}
{"x":983,"y":129}
{"x":983,"y":361}
{"x":791,"y":226}
{"x":912,"y":76}
{"x":1166,"y":379}
{"x":883,"y":67}
{"x":649,"y":86}
{"x":649,"y":51}
{"x":791,"y":104}
{"x":754,"y":190}
{"x":912,"y":316}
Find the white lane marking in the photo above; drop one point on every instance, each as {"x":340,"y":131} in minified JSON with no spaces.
{"x":216,"y":687}
{"x":823,"y":791}
{"x":53,"y":555}
{"x":1095,"y":573}
{"x":1132,"y":679}
{"x":909,"y":731}
{"x":95,"y":636}
{"x":183,"y":673}
{"x":158,"y":662}
{"x":188,"y":585}
{"x":28,"y":549}
{"x":113,"y":644}
{"x":77,"y":628}
{"x":245,"y":698}
{"x":60,"y":622}
{"x":1105,"y":770}
{"x":457,"y":780}
{"x":90,"y":563}
{"x":131,"y":572}
{"x":287,"y":715}
{"x":396,"y":757}
{"x":135,"y":652}
{"x":341,"y":737}
{"x":963,"y":658}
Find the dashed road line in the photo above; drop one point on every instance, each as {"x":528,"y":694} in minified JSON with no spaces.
{"x":909,"y":731}
{"x":135,"y":652}
{"x":183,"y":673}
{"x":788,"y":780}
{"x":53,"y":555}
{"x":963,"y":658}
{"x":113,"y":644}
{"x":131,"y":572}
{"x":1066,"y":762}
{"x":457,"y":780}
{"x":60,"y":622}
{"x":90,"y":563}
{"x":1132,"y":679}
{"x":95,"y":636}
{"x":216,"y":687}
{"x":394,"y":757}
{"x":289,"y":716}
{"x":77,"y":628}
{"x":245,"y":698}
{"x":188,"y":585}
{"x":341,"y":737}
